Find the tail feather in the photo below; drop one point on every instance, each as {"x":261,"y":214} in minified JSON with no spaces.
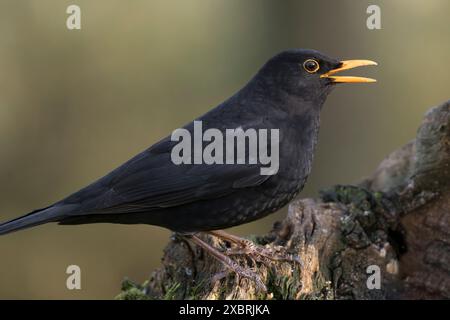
{"x":36,"y":217}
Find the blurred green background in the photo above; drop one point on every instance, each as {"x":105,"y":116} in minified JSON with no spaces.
{"x":76,"y":104}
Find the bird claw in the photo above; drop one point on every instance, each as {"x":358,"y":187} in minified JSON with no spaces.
{"x":250,"y":254}
{"x":232,"y":265}
{"x":246,"y":248}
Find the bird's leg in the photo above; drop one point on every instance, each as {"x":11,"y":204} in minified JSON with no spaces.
{"x":257,"y":252}
{"x":240,"y":271}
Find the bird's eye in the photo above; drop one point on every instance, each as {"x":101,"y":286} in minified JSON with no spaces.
{"x":311,"y":65}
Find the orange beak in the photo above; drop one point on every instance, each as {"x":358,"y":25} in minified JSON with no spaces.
{"x":346,"y":65}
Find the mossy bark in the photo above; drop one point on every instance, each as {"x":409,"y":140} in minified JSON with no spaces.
{"x":397,"y":220}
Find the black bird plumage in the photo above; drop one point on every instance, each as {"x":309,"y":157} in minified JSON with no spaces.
{"x":151,"y":189}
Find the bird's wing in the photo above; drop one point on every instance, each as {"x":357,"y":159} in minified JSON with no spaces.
{"x":151,"y":181}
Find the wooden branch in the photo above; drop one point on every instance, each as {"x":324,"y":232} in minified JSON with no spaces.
{"x":398,"y":220}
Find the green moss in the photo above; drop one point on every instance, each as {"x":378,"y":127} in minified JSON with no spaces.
{"x":259,"y":240}
{"x":368,"y":217}
{"x":132,"y":294}
{"x":171,"y":291}
{"x":283,"y":287}
{"x":127,"y":284}
{"x":196,"y":290}
{"x":132,"y":291}
{"x":360,"y":197}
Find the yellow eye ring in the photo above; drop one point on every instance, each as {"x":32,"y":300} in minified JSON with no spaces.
{"x":311,"y":66}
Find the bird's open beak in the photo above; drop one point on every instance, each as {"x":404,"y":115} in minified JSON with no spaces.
{"x":346,"y":65}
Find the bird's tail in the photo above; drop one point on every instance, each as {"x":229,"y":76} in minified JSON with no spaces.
{"x":36,"y":217}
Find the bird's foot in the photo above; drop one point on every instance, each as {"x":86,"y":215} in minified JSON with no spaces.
{"x":229,"y":263}
{"x":254,"y":251}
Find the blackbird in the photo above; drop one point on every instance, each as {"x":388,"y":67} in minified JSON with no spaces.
{"x":286,"y":94}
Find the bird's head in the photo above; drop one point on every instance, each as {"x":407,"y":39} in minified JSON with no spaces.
{"x":308,"y":73}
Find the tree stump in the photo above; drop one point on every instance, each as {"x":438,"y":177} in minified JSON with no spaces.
{"x":395,"y":224}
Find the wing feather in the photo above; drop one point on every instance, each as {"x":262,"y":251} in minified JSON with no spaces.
{"x":151,"y":181}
